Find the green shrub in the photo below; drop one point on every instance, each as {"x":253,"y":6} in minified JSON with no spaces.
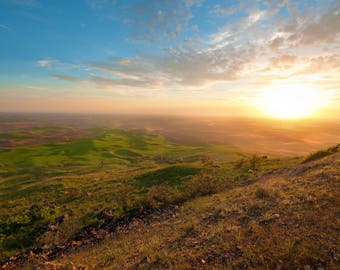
{"x":160,"y":195}
{"x":251,"y":163}
{"x":204,"y":184}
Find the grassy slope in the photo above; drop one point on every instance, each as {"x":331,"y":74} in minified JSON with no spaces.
{"x":288,"y":219}
{"x":113,"y":170}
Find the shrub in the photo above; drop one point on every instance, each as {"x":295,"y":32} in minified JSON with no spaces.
{"x":322,"y":153}
{"x":254,"y":162}
{"x":251,"y":163}
{"x":255,"y":210}
{"x":261,"y":193}
{"x":204,"y":184}
{"x":65,"y":231}
{"x":162,"y":195}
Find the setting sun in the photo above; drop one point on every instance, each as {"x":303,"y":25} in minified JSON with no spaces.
{"x":291,"y":101}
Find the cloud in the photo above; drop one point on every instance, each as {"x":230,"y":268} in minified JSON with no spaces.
{"x":323,"y":64}
{"x":34,"y":87}
{"x":207,"y":66}
{"x":325,"y":29}
{"x":180,"y":66}
{"x":223,"y":10}
{"x":323,"y":71}
{"x":22,"y":2}
{"x":305,"y":64}
{"x":56,"y":64}
{"x":274,"y":6}
{"x":152,"y":22}
{"x":68,"y":78}
{"x":258,"y":47}
{"x":306,"y":28}
{"x":46,"y":63}
{"x":159,"y":19}
{"x":5,"y":27}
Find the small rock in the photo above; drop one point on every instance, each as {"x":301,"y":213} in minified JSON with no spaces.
{"x":203,"y":261}
{"x":106,"y":215}
{"x":31,"y":254}
{"x":307,"y":267}
{"x":61,"y":219}
{"x":75,"y":243}
{"x":45,"y":246}
{"x":53,"y":227}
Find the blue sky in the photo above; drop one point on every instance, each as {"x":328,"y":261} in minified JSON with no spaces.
{"x":139,"y":54}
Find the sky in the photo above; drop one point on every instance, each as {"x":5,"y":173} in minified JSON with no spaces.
{"x":169,"y":56}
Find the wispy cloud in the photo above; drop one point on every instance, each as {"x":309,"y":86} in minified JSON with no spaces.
{"x":58,"y":65}
{"x":4,"y":27}
{"x":182,"y":66}
{"x":147,"y":23}
{"x":47,"y":62}
{"x":305,"y":28}
{"x":259,"y":47}
{"x":222,"y":10}
{"x":31,"y":3}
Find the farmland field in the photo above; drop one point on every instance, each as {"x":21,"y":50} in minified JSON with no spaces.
{"x":81,"y":176}
{"x":80,"y":171}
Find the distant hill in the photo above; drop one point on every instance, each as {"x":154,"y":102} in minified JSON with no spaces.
{"x":285,"y":219}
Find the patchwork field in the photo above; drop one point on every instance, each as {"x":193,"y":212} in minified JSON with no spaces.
{"x":80,"y":177}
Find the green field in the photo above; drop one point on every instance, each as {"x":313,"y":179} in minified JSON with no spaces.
{"x":116,"y":169}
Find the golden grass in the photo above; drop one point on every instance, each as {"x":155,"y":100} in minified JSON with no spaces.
{"x":295,"y":225}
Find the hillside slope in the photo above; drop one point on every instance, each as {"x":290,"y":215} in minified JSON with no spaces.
{"x":287,"y":219}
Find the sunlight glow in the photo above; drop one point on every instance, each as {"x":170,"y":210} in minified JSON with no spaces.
{"x":292,"y":100}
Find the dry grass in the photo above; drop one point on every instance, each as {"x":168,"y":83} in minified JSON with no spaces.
{"x":286,"y":220}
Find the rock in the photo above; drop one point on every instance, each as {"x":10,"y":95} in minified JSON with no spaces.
{"x":307,"y":267}
{"x":53,"y":227}
{"x":75,"y":243}
{"x":45,"y":247}
{"x":61,"y":219}
{"x":203,"y":261}
{"x":31,"y":254}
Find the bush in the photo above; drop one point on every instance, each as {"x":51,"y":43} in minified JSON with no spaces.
{"x":255,"y":210}
{"x":322,"y":153}
{"x":162,"y":195}
{"x":204,"y":184}
{"x":251,"y":163}
{"x":261,"y":193}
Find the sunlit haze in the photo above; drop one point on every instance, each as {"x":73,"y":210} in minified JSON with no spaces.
{"x":292,"y":100}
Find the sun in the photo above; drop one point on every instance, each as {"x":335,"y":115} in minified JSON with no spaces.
{"x":291,"y":101}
